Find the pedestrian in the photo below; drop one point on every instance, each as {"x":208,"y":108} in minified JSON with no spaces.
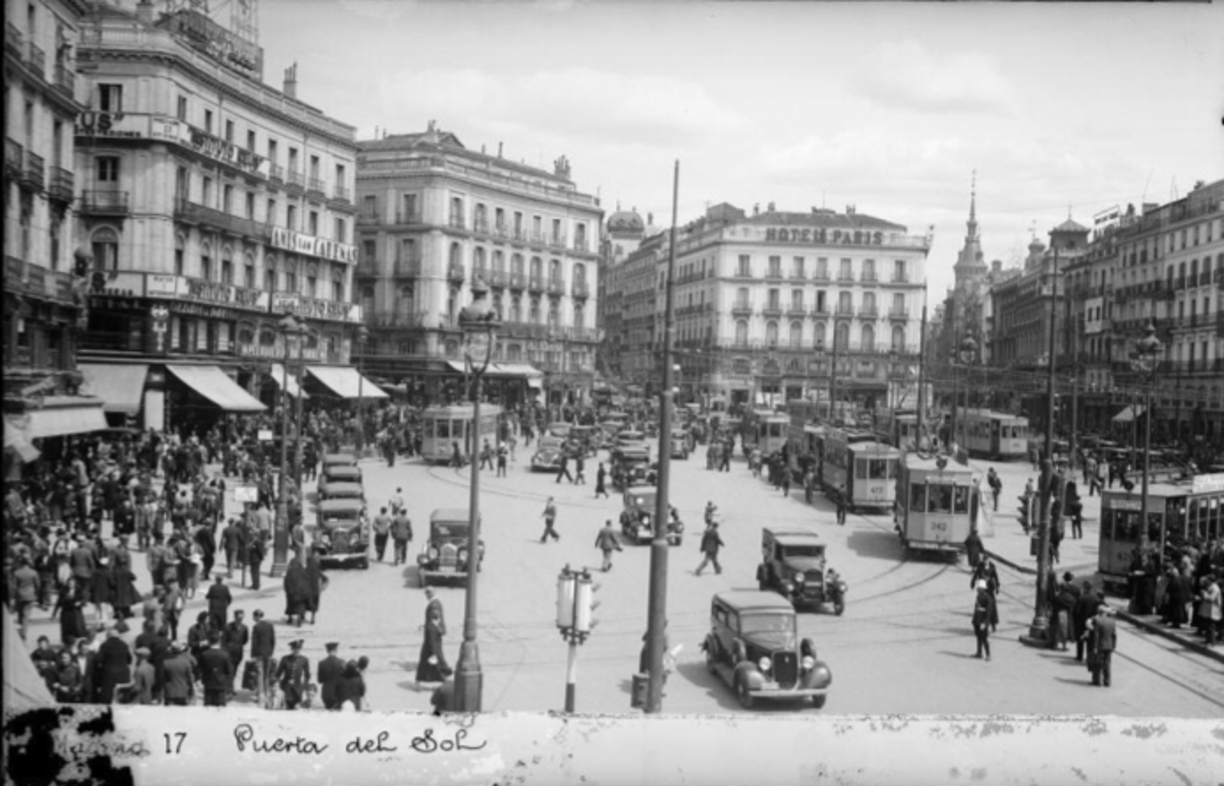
{"x":1065,"y":596}
{"x":216,"y":672}
{"x":601,"y":477}
{"x":173,"y":605}
{"x":579,"y":470}
{"x":1082,"y":614}
{"x":293,"y":673}
{"x":1103,"y":642}
{"x":785,"y":480}
{"x":606,"y":541}
{"x":234,"y":640}
{"x":501,"y":459}
{"x":996,"y":486}
{"x":724,"y":455}
{"x":1210,"y":608}
{"x":256,"y":546}
{"x":563,"y":470}
{"x":985,"y":616}
{"x":316,"y":583}
{"x":401,"y":533}
{"x":431,"y":664}
{"x":809,"y":485}
{"x":297,"y":592}
{"x":550,"y":517}
{"x":486,"y":455}
{"x":231,"y":539}
{"x":351,"y":688}
{"x":841,"y":507}
{"x":25,"y":587}
{"x":219,"y":600}
{"x":178,"y":676}
{"x":456,"y":457}
{"x":382,"y":531}
{"x":710,"y":544}
{"x":973,"y":548}
{"x":330,"y":670}
{"x":141,"y":689}
{"x":263,"y":648}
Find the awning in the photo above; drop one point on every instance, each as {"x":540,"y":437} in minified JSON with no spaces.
{"x":456,"y":365}
{"x":346,"y":382}
{"x":290,"y":381}
{"x":535,"y":382}
{"x":62,"y":415}
{"x":15,"y":439}
{"x":212,"y":383}
{"x":518,"y":370}
{"x":120,"y":387}
{"x":1128,"y":414}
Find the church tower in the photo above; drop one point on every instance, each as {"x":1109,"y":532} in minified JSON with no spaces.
{"x":970,"y":264}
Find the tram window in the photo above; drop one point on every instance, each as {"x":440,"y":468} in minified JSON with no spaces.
{"x":891,"y":468}
{"x":457,"y":429}
{"x":443,"y":429}
{"x":918,"y":498}
{"x":961,"y":501}
{"x":427,"y":429}
{"x":877,"y":469}
{"x":860,"y":469}
{"x":941,"y":499}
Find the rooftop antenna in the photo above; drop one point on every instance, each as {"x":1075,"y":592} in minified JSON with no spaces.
{"x":1173,"y":190}
{"x":1145,"y":187}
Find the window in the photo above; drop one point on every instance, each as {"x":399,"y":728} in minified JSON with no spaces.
{"x":745,"y":266}
{"x":314,"y":223}
{"x":206,"y":192}
{"x":407,"y":249}
{"x":845,"y":273}
{"x":206,"y":262}
{"x":797,"y":267}
{"x":845,"y":305}
{"x":341,"y":174}
{"x":291,"y":217}
{"x":314,"y":167}
{"x":182,"y":184}
{"x":516,"y":309}
{"x":898,"y":305}
{"x":822,"y":269}
{"x":554,"y":271}
{"x":556,"y":229}
{"x":341,"y":231}
{"x":229,"y":130}
{"x":841,"y":336}
{"x":367,"y":252}
{"x":270,"y":216}
{"x":110,"y":98}
{"x":251,"y":141}
{"x":534,"y":311}
{"x":208,"y":117}
{"x":796,"y":335}
{"x":227,"y":199}
{"x":772,"y":302}
{"x":272,"y":150}
{"x":818,"y":335}
{"x":227,"y":271}
{"x":741,"y":332}
{"x":478,"y":261}
{"x":898,"y":338}
{"x":181,"y":113}
{"x":869,"y":303}
{"x":248,"y":272}
{"x":579,"y":315}
{"x":775,"y":267}
{"x":291,"y":280}
{"x":106,"y":249}
{"x":771,"y":333}
{"x":312,"y":284}
{"x":108,"y":169}
{"x":270,"y":274}
{"x":293,"y":160}
{"x":869,"y":270}
{"x":410,"y":209}
{"x":868,"y":338}
{"x":796,"y":300}
{"x":250,"y":205}
{"x":179,"y":244}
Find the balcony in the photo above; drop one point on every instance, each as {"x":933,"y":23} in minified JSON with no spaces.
{"x":845,"y":311}
{"x":191,"y":213}
{"x":536,"y":284}
{"x":556,"y":286}
{"x":845,"y":276}
{"x":581,"y":289}
{"x":1179,"y":282}
{"x":407,"y":216}
{"x":796,"y":311}
{"x":742,"y":272}
{"x":277,"y":173}
{"x":366,"y":268}
{"x":407,"y":267}
{"x":457,"y":222}
{"x":898,"y":313}
{"x":498,"y":278}
{"x":12,"y":39}
{"x":402,"y":320}
{"x":773,"y":310}
{"x":63,"y":183}
{"x":868,"y":312}
{"x":65,"y":79}
{"x":367,"y":218}
{"x":341,"y":194}
{"x":34,"y":175}
{"x":741,"y":309}
{"x":518,"y":281}
{"x":454,"y":271}
{"x":820,"y":275}
{"x":869,"y":277}
{"x":105,"y":203}
{"x":581,"y":245}
{"x":296,"y":179}
{"x":557,"y":241}
{"x":774,"y":274}
{"x":316,"y":187}
{"x":37,"y":60}
{"x":14,"y":158}
{"x":480,"y":224}
{"x":820,"y":312}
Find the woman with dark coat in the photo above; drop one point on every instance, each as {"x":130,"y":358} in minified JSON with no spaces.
{"x":297,"y":591}
{"x":314,"y":580}
{"x":65,"y":680}
{"x":351,"y":686}
{"x":1177,"y":596}
{"x":103,"y":587}
{"x":431,"y":665}
{"x":71,"y":607}
{"x":126,"y":594}
{"x":985,"y":616}
{"x":112,"y":666}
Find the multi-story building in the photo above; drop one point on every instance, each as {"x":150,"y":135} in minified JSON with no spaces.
{"x":42,"y":294}
{"x":212,"y":205}
{"x":764,"y":303}
{"x":433,"y":217}
{"x":623,"y":233}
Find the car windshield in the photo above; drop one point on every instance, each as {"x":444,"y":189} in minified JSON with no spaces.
{"x":449,"y":530}
{"x":766,"y":622}
{"x":644,"y":501}
{"x":803,"y":551}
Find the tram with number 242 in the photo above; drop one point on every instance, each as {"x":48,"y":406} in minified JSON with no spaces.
{"x":938,"y":503}
{"x":443,"y":427}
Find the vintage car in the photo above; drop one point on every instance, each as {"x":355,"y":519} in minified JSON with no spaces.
{"x":341,"y":490}
{"x":631,"y":467}
{"x":547,"y":456}
{"x":680,"y":447}
{"x":337,"y":473}
{"x":446,"y":555}
{"x":342,"y":459}
{"x":637,"y":518}
{"x":793,"y":565}
{"x":754,"y":647}
{"x":630,"y":436}
{"x":583,"y":439}
{"x":559,"y":429}
{"x":343,"y":533}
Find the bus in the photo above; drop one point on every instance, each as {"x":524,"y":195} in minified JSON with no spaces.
{"x":1177,"y":512}
{"x":994,"y":435}
{"x":858,"y":469}
{"x":938,"y":503}
{"x":443,"y":427}
{"x":764,"y":429}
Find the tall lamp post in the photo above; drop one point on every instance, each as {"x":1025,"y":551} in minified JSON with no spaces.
{"x":289,"y":326}
{"x":479,"y":324}
{"x":967,"y":354}
{"x":1144,"y":360}
{"x":361,"y":337}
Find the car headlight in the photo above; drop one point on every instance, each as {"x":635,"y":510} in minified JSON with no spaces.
{"x":764,"y":663}
{"x":433,"y":552}
{"x":800,"y":578}
{"x":462,"y":555}
{"x":808,"y":663}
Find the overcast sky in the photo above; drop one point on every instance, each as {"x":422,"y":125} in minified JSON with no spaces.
{"x":887,"y":107}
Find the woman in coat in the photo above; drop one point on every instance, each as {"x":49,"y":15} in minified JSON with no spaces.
{"x":351,"y":687}
{"x":126,"y":594}
{"x":431,"y":665}
{"x":985,"y":616}
{"x":112,"y":666}
{"x":315,"y":582}
{"x":66,"y":681}
{"x":102,"y":588}
{"x":297,"y":591}
{"x":1178,"y":597}
{"x":71,"y":608}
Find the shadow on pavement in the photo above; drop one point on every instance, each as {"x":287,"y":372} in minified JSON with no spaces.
{"x":876,"y":544}
{"x":1086,"y":682}
{"x":966,"y":655}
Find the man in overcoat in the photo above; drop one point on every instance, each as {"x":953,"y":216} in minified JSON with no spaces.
{"x":330,"y":670}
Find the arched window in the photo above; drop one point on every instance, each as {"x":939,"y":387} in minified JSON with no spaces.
{"x":338,"y":285}
{"x":206,"y":263}
{"x":537,"y":268}
{"x":868,"y":338}
{"x":742,"y":366}
{"x":452,"y":305}
{"x":771,"y":333}
{"x":554,"y":315}
{"x":105,"y":249}
{"x":456,"y":254}
{"x":248,"y":270}
{"x":499,"y":261}
{"x":898,"y":338}
{"x":516,"y":264}
{"x":794,"y":367}
{"x":367,"y":301}
{"x":227,"y":265}
{"x":514,"y":352}
{"x":497,"y":305}
{"x":478,"y":261}
{"x":516,"y":308}
{"x":842,"y":336}
{"x":796,"y":335}
{"x":270,"y":273}
{"x":741,"y":332}
{"x":180,"y":250}
{"x":291,"y":276}
{"x":405,"y":304}
{"x":579,"y":315}
{"x":580,"y":272}
{"x":535,"y":317}
{"x":554,"y":271}
{"x":818,"y":335}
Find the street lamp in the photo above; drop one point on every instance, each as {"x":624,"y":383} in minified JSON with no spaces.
{"x":479,"y":324}
{"x":361,"y":337}
{"x":288,"y":326}
{"x":967,"y":354}
{"x":1144,"y":360}
{"x":819,"y":354}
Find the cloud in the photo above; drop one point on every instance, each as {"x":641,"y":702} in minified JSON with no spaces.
{"x":903,"y":74}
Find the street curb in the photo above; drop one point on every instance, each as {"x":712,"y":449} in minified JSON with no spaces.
{"x":1135,"y":620}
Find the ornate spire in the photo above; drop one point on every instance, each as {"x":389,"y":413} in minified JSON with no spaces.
{"x":972,"y":222}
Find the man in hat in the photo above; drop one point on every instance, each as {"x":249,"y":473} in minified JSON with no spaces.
{"x":1085,"y":607}
{"x":144,"y":677}
{"x":233,"y":640}
{"x":120,"y":556}
{"x":1104,"y":642}
{"x":263,"y":647}
{"x":231,"y":539}
{"x":401,"y":533}
{"x":382,"y":531}
{"x":710,"y":544}
{"x":550,"y":517}
{"x":294,"y":674}
{"x":216,"y":672}
{"x":606,"y":541}
{"x":256,"y":548}
{"x":330,"y":670}
{"x":178,"y":684}
{"x":219,"y":600}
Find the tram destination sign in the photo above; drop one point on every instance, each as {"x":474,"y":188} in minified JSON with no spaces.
{"x":1202,"y":484}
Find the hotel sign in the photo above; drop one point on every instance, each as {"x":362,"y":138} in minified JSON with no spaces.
{"x":196,"y":290}
{"x":313,"y":308}
{"x":297,"y":243}
{"x":112,"y":125}
{"x":228,"y":153}
{"x":823,"y":236}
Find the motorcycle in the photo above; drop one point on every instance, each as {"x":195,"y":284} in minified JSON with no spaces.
{"x":835,"y":591}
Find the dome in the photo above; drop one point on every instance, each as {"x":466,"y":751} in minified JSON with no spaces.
{"x":626,"y":221}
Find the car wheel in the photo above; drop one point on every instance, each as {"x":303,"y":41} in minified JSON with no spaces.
{"x":742,"y":693}
{"x":364,"y":564}
{"x":819,"y":701}
{"x":763,"y":585}
{"x":839,"y":607}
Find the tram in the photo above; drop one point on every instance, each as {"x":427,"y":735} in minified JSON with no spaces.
{"x":937,"y":504}
{"x":764,"y":429}
{"x":993,"y":434}
{"x":443,"y":427}
{"x":901,"y":431}
{"x":1177,"y":512}
{"x":858,"y":469}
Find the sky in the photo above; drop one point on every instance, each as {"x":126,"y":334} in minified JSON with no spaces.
{"x":1061,"y":109}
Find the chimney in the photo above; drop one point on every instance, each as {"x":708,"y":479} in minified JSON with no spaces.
{"x":650,"y":219}
{"x":771,"y":207}
{"x":290,"y":88}
{"x":756,"y":209}
{"x":144,"y":12}
{"x":499,"y":149}
{"x":849,"y":210}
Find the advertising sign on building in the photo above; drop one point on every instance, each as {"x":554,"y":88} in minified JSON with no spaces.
{"x":119,"y":284}
{"x":161,"y":285}
{"x":112,"y":125}
{"x":202,"y":291}
{"x":297,"y":243}
{"x":313,"y":308}
{"x":228,"y":153}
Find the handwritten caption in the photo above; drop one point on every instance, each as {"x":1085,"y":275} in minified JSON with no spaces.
{"x":428,"y":741}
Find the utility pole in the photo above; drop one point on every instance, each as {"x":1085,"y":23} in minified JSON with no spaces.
{"x":656,"y":626}
{"x":921,"y":379}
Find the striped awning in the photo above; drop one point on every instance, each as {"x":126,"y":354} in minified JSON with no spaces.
{"x":121,"y":386}
{"x":212,"y":383}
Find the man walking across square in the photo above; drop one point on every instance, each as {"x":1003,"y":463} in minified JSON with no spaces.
{"x":382,"y":531}
{"x":710,"y":544}
{"x":606,"y":541}
{"x":550,"y":516}
{"x":401,"y":533}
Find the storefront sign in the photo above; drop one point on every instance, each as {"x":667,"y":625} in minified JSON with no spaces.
{"x":117,"y":284}
{"x":313,"y":308}
{"x":823,"y":236}
{"x":297,"y":243}
{"x":227,"y":294}
{"x":112,"y":125}
{"x":201,"y":310}
{"x":227,"y":153}
{"x":167,"y":129}
{"x":161,"y":286}
{"x":1123,"y":504}
{"x":277,"y":352}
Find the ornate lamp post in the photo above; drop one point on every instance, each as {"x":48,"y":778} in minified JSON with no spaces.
{"x":818,"y":354}
{"x":480,"y":324}
{"x":967,"y":354}
{"x":1144,"y":360}
{"x":288,"y":326}
{"x":360,"y":339}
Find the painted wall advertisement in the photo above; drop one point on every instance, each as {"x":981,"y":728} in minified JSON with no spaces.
{"x":297,"y":243}
{"x":311,"y":308}
{"x":196,"y":290}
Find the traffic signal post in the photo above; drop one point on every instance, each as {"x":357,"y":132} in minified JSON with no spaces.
{"x":575,"y":619}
